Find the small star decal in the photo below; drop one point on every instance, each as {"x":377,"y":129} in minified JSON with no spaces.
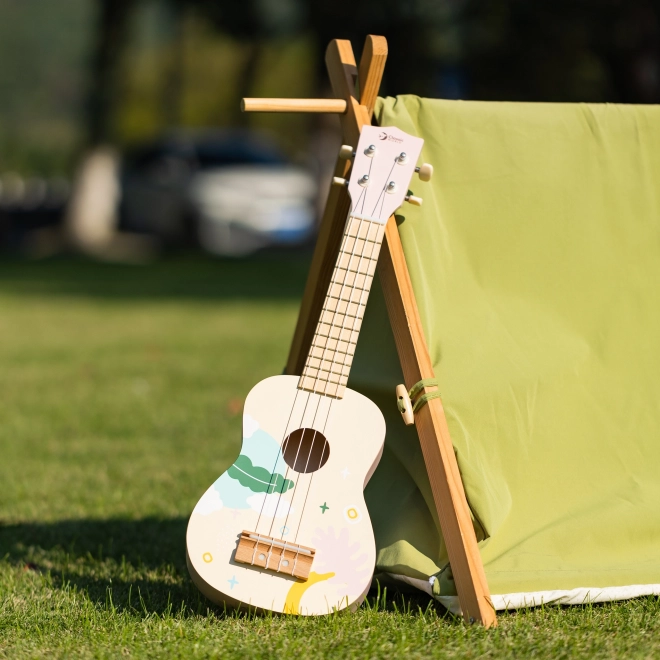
{"x":324,"y":507}
{"x":233,"y":582}
{"x":345,"y":472}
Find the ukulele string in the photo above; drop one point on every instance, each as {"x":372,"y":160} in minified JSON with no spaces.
{"x":381,"y":198}
{"x":350,"y":300}
{"x":295,"y":487}
{"x":273,"y":472}
{"x":362,"y":199}
{"x":323,"y":355}
{"x":293,"y":467}
{"x":309,"y":484}
{"x":283,"y":442}
{"x":355,"y":318}
{"x":383,"y":191}
{"x":341,"y":290}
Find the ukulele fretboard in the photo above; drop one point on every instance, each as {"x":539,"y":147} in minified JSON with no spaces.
{"x":331,"y":354}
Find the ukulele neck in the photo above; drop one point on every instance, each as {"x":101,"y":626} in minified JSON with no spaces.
{"x":333,"y":346}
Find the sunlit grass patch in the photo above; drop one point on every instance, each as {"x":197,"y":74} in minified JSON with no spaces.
{"x":120,"y":398}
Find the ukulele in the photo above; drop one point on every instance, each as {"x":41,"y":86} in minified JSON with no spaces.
{"x":286,"y":528}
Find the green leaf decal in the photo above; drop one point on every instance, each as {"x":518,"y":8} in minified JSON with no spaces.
{"x":258,"y":479}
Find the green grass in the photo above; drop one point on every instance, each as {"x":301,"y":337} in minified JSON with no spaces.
{"x":120,"y":400}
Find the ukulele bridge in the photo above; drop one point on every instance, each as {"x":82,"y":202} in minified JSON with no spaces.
{"x":274,"y":554}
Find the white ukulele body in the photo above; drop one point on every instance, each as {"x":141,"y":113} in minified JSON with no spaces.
{"x":323,"y":509}
{"x":286,"y":527}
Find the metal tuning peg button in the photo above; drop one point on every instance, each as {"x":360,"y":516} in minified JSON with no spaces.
{"x":425,"y":172}
{"x":415,"y":201}
{"x":346,"y":152}
{"x":338,"y":181}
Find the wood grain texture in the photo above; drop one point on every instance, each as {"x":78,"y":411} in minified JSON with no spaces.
{"x":337,"y":106}
{"x":448,"y":493}
{"x":342,"y":71}
{"x":272,"y":554}
{"x":370,"y":73}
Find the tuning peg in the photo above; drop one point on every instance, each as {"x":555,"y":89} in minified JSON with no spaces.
{"x":338,"y":181}
{"x":346,"y":152}
{"x":415,"y":201}
{"x":425,"y":172}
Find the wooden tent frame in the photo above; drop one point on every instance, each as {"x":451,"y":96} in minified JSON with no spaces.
{"x":448,"y":493}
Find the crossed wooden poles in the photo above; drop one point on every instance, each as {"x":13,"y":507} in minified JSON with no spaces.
{"x":448,"y":494}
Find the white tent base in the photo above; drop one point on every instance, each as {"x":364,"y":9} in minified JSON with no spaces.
{"x":579,"y":596}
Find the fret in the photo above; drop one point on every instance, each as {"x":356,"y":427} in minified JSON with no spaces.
{"x":343,"y":292}
{"x":337,"y":332}
{"x":360,"y":246}
{"x":343,"y":319}
{"x":359,"y":228}
{"x":359,"y":267}
{"x":328,"y":376}
{"x":330,"y":357}
{"x":319,"y":386}
{"x":350,"y":307}
{"x":355,"y":280}
{"x":357,"y":263}
{"x":332,"y":345}
{"x":334,"y":364}
{"x":335,"y":390}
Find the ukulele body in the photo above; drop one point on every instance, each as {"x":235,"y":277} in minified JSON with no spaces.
{"x":318,"y":511}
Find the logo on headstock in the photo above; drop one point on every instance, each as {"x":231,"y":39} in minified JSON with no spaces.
{"x":390,"y":138}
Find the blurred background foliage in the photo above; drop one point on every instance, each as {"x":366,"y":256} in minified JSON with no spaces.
{"x":115,"y":75}
{"x":80,"y":71}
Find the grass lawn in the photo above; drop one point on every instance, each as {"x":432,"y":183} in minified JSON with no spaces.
{"x":121,"y":392}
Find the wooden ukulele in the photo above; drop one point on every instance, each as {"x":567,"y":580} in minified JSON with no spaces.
{"x":286,"y":528}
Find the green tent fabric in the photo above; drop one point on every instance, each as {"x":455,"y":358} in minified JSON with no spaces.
{"x":535,"y":261}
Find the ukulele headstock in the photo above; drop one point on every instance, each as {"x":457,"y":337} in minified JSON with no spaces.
{"x":383,"y":165}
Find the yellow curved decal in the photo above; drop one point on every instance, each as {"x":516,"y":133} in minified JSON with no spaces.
{"x":292,"y":602}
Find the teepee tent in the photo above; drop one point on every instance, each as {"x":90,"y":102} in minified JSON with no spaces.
{"x":526,"y":292}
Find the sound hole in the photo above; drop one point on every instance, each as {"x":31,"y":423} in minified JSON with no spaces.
{"x":306,"y":450}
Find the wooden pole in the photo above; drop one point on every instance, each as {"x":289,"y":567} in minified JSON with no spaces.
{"x":337,"y":106}
{"x":448,"y":493}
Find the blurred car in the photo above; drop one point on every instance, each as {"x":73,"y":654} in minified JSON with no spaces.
{"x":28,"y":205}
{"x":233,"y":192}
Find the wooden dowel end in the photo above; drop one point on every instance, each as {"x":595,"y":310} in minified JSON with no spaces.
{"x":336,"y":106}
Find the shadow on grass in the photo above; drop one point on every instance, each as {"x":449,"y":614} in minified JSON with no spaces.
{"x":149,"y":543}
{"x":136,"y":566}
{"x":270,"y":275}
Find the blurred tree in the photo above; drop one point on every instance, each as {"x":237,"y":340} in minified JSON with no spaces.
{"x":565,"y":50}
{"x":110,"y":38}
{"x":43,"y":47}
